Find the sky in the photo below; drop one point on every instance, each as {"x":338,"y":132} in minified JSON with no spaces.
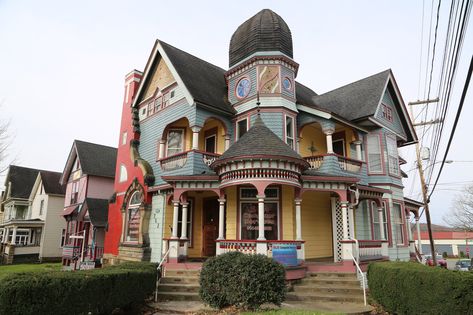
{"x":63,"y":64}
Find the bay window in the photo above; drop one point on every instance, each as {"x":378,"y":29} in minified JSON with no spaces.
{"x":398,"y":224}
{"x":374,"y":154}
{"x":393,"y":159}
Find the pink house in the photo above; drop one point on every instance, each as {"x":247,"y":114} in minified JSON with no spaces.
{"x":89,"y":175}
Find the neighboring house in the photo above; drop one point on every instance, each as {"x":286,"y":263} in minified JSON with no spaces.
{"x":448,"y":240}
{"x":88,"y":176}
{"x":32,"y":226}
{"x":244,"y":159}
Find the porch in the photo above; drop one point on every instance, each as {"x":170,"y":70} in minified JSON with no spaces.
{"x":21,"y":241}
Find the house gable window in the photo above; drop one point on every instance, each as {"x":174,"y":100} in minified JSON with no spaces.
{"x":133,"y":218}
{"x":375,"y":164}
{"x":74,"y":192}
{"x":393,"y":159}
{"x":387,"y":112}
{"x":290,"y":131}
{"x":175,"y":142}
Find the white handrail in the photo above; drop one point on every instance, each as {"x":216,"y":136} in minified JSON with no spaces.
{"x":157,"y":275}
{"x":358,"y":269}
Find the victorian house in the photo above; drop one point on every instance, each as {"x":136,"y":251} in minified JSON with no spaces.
{"x":88,"y":176}
{"x":32,"y":229}
{"x":247,"y":159}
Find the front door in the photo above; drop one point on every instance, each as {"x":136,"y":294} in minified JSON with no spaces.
{"x":210,"y":226}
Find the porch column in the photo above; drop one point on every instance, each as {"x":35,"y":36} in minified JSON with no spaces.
{"x":351,"y":222}
{"x":195,"y":138}
{"x":227,"y":142}
{"x":344,"y":206}
{"x":408,"y":225}
{"x":381,"y":224}
{"x":221,"y":219}
{"x":13,"y":239}
{"x":261,"y":218}
{"x":175,"y":219}
{"x":162,"y":146}
{"x":185,"y":205}
{"x":358,"y":150}
{"x":298,"y":220}
{"x":419,"y":241}
{"x":6,"y":235}
{"x":328,"y":135}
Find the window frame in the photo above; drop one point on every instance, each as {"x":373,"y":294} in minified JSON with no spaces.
{"x":136,"y":207}
{"x":292,"y":129}
{"x":387,"y":112}
{"x":41,"y":207}
{"x":124,"y":137}
{"x":380,"y":153}
{"x":183,"y":140}
{"x":392,"y":155}
{"x":74,"y":192}
{"x":375,"y":220}
{"x":399,"y":223}
{"x":237,"y":128}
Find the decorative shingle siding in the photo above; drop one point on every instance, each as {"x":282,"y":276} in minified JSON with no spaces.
{"x":285,"y":72}
{"x":395,"y":125}
{"x":273,"y":121}
{"x":267,"y":102}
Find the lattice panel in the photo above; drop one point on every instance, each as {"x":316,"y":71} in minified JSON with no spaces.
{"x":339,"y":227}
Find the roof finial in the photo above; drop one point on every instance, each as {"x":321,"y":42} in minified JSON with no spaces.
{"x":257,"y":102}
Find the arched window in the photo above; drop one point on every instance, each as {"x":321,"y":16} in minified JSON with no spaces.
{"x":133,"y":217}
{"x":123,"y":173}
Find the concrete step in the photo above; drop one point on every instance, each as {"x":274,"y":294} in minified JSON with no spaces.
{"x":179,"y":280}
{"x":337,"y":289}
{"x":178,"y":296}
{"x":178,"y":287}
{"x":182,"y":273}
{"x":331,"y":281}
{"x":325,"y":297}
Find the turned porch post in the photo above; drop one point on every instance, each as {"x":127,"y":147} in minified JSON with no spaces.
{"x":358,"y":149}
{"x":221,"y":219}
{"x":381,"y":224}
{"x":175,"y":219}
{"x":261,"y":218}
{"x":195,"y":137}
{"x":298,"y":220}
{"x":185,"y":205}
{"x":344,"y":206}
{"x":408,"y":221}
{"x":328,"y":135}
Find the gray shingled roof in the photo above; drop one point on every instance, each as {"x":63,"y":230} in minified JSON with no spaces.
{"x":22,"y":180}
{"x":205,"y":81}
{"x":98,"y":211}
{"x":265,"y":31}
{"x":304,"y":95}
{"x":355,"y":100}
{"x":51,"y":183}
{"x":259,"y":140}
{"x":96,"y":159}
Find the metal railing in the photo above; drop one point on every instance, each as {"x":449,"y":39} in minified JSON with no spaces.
{"x":158,"y":278}
{"x":359,"y":272}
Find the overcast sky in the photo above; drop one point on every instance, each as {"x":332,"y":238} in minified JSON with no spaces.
{"x":63,"y":64}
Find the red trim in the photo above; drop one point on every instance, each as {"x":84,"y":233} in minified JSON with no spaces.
{"x":403,"y":218}
{"x":388,"y":219}
{"x":190,"y":177}
{"x":330,"y":179}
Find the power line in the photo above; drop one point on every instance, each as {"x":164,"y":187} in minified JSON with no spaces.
{"x":460,"y":107}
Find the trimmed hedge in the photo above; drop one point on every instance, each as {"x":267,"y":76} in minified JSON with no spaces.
{"x":97,"y":291}
{"x":246,"y":281}
{"x":412,"y":288}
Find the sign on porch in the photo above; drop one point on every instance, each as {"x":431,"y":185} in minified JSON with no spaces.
{"x":285,"y":254}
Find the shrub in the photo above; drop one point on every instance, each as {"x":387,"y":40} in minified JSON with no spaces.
{"x":97,"y":291}
{"x":246,"y":281}
{"x":412,"y":288}
{"x":444,"y":255}
{"x":462,"y":254}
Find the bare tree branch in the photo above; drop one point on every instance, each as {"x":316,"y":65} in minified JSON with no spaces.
{"x":461,"y":213}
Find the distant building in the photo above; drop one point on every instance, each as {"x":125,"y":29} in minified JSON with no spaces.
{"x":446,"y":240}
{"x":88,"y":176}
{"x":32,"y":229}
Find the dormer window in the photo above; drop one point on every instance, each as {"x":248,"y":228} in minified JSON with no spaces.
{"x":387,"y":113}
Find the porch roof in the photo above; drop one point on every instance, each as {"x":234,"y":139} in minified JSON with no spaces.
{"x":23,"y":223}
{"x":98,"y":211}
{"x":69,"y":210}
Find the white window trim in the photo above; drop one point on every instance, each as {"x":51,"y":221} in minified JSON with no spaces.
{"x":376,"y":219}
{"x":343,"y":146}
{"x":215,"y":142}
{"x":237,"y":134}
{"x":182,"y":131}
{"x":380,"y":152}
{"x":123,"y":176}
{"x":292,"y":139}
{"x":127,"y":219}
{"x":393,"y":166}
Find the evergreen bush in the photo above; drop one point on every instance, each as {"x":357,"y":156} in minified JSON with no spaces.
{"x":244,"y":281}
{"x":412,"y":288}
{"x":97,"y":291}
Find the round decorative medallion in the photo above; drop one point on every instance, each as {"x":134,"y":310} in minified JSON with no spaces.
{"x":287,"y":83}
{"x":243,"y":88}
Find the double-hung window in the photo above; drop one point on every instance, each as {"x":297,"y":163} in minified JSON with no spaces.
{"x":376,"y":223}
{"x":175,"y":142}
{"x":393,"y":159}
{"x":290,"y":131}
{"x":374,"y":154}
{"x":398,"y":224}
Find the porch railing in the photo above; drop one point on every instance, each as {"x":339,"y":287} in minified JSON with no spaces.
{"x":174,"y":162}
{"x":208,"y":158}
{"x":315,"y":162}
{"x":370,"y":249}
{"x":94,"y":253}
{"x":246,"y":247}
{"x":349,"y":165}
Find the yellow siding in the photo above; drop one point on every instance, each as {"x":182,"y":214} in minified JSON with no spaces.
{"x":196,"y":249}
{"x":312,"y":135}
{"x":288,"y":213}
{"x":210,"y":124}
{"x":168,"y":220}
{"x":317,"y":224}
{"x":232,"y":213}
{"x":161,"y":78}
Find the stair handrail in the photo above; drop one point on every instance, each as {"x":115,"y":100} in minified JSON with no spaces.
{"x":358,"y":269}
{"x":160,"y":265}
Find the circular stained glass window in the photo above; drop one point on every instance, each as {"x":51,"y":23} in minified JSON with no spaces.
{"x":287,"y":83}
{"x":243,"y":88}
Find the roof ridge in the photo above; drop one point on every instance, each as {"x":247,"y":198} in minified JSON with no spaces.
{"x":97,"y":144}
{"x":357,"y":81}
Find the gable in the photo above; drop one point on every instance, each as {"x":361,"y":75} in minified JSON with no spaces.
{"x":389,"y":113}
{"x":160,"y":77}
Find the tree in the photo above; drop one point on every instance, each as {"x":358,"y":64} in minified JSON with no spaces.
{"x":461,"y":213}
{"x":4,"y":144}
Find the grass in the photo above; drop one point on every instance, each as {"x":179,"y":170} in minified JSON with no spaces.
{"x":290,"y":312}
{"x":9,"y":269}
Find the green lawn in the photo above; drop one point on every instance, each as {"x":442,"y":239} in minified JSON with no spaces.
{"x":8,"y":269}
{"x":290,"y":312}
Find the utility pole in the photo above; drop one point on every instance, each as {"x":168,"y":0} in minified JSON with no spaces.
{"x":425,"y":196}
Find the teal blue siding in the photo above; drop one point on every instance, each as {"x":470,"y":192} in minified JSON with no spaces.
{"x":251,"y":74}
{"x":285,"y":72}
{"x":273,"y":121}
{"x":395,"y":125}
